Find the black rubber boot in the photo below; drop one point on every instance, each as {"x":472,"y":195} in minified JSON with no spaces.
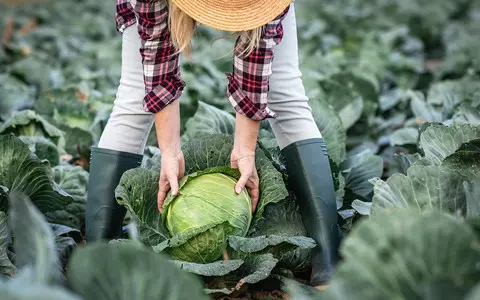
{"x":104,"y":216}
{"x":311,"y":180}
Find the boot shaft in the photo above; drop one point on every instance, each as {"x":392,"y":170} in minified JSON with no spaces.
{"x":104,"y":216}
{"x":310,"y":178}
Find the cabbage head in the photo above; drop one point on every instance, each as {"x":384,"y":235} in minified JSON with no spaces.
{"x":205,"y":212}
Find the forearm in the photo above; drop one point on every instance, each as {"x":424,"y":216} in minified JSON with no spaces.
{"x":167,"y":126}
{"x":246,"y":134}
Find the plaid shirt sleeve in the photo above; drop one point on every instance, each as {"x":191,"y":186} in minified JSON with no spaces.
{"x":249,"y":84}
{"x":163,"y":83}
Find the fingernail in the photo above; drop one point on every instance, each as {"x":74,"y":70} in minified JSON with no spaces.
{"x":238,"y":190}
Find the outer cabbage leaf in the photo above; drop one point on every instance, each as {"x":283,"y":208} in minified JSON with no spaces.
{"x":209,"y":120}
{"x":268,"y":143}
{"x":36,"y":292}
{"x":21,"y":170}
{"x":74,"y":181}
{"x":62,"y":230}
{"x":331,"y":127}
{"x":466,"y":160}
{"x":78,"y":141}
{"x":460,"y":41}
{"x":359,"y":169}
{"x":34,"y":242}
{"x":128,"y":271}
{"x":180,"y":247}
{"x":180,"y":242}
{"x":283,"y":224}
{"x":443,"y":99}
{"x":420,"y":249}
{"x":256,"y":244}
{"x":474,"y":293}
{"x":43,"y":148}
{"x":422,"y":110}
{"x":3,"y":198}
{"x":281,"y":247}
{"x":218,"y":268}
{"x":255,"y":269}
{"x":439,"y":141}
{"x":346,"y":101}
{"x":65,"y":246}
{"x":15,"y":95}
{"x":404,"y":136}
{"x":467,"y":114}
{"x":298,"y":291}
{"x":70,"y":105}
{"x":137,"y":191}
{"x":29,"y":123}
{"x":66,"y":239}
{"x":472,"y":191}
{"x":403,"y":161}
{"x":72,"y":109}
{"x":423,"y":188}
{"x":7,"y":269}
{"x":36,"y":69}
{"x":362,"y":207}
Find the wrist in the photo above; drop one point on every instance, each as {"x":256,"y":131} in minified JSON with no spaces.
{"x":246,"y":134}
{"x":167,"y":127}
{"x":171,"y":149}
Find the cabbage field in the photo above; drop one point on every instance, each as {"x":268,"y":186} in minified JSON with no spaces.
{"x":394,"y":88}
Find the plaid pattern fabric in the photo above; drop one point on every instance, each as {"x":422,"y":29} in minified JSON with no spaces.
{"x":161,"y":69}
{"x":124,"y":16}
{"x":248,"y":85}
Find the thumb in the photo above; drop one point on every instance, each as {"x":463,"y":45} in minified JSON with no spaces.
{"x":241,"y":184}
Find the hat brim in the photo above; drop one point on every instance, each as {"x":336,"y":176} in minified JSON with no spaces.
{"x":235,"y":15}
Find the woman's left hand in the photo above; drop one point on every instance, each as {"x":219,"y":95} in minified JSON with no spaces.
{"x":245,"y":162}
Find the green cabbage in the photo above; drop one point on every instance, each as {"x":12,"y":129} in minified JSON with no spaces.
{"x":207,"y":210}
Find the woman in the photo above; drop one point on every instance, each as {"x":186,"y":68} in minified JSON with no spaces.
{"x":265,"y":67}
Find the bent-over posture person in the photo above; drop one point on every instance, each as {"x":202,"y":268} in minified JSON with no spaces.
{"x":265,"y":84}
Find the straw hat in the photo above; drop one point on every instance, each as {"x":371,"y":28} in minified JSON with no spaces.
{"x":233,"y":15}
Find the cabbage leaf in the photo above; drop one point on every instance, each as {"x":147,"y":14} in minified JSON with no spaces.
{"x":21,"y":170}
{"x":422,"y":250}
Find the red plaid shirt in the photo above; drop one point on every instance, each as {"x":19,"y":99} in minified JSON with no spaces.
{"x":248,"y":85}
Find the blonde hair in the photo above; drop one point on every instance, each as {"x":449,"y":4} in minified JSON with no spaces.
{"x":182,"y":27}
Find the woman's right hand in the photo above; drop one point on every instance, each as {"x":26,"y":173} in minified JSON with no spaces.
{"x":167,"y":125}
{"x":172,"y":169}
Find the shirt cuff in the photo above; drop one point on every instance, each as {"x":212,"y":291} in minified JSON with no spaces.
{"x":123,"y":25}
{"x":244,"y":105}
{"x":163,"y":94}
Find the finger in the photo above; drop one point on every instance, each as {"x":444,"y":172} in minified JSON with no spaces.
{"x":181,"y":166}
{"x":234,"y":163}
{"x":254,"y":195}
{"x":254,"y":189}
{"x":163,"y":188}
{"x":241,"y":184}
{"x":160,"y":199}
{"x":173,"y":180}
